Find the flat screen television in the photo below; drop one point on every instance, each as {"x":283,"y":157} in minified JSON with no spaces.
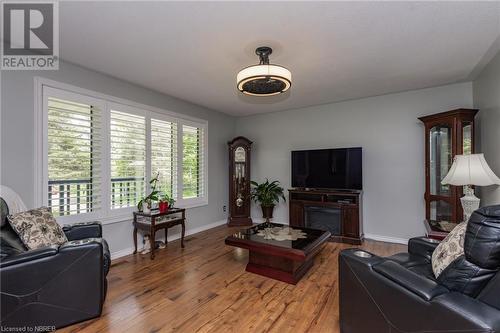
{"x":328,"y":168}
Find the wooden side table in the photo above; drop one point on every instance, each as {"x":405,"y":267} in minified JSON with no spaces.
{"x":150,"y":225}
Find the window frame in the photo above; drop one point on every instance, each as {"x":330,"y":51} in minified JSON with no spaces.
{"x":107,"y":215}
{"x":113,"y":106}
{"x":199,"y":201}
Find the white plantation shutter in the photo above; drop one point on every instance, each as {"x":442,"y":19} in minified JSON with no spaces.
{"x":193,"y":177}
{"x":73,"y":156}
{"x":128,"y":158}
{"x":94,"y":155}
{"x":164,"y":155}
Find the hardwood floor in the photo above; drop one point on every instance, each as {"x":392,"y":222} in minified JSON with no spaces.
{"x":204,"y":288}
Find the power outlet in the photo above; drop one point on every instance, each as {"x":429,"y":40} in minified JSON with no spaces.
{"x":224,"y":208}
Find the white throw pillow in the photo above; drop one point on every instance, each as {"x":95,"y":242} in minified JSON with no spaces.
{"x":449,"y":249}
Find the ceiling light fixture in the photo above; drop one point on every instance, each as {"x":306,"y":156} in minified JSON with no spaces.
{"x":264,"y":79}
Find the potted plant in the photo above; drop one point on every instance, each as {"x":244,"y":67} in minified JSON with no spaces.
{"x":145,"y":204}
{"x":165,"y":203}
{"x":268,"y":194}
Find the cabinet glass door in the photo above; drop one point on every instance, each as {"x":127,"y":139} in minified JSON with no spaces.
{"x":440,"y":210}
{"x":466,"y":138}
{"x":440,"y":157}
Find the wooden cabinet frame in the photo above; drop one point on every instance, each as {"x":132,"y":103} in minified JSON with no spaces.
{"x":453,"y":119}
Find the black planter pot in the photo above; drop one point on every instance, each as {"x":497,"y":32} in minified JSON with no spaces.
{"x":267,"y":212}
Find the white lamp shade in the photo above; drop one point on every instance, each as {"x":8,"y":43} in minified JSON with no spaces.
{"x":264,"y":70}
{"x":470,"y":170}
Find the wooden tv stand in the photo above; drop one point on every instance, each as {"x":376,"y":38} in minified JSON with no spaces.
{"x":348,"y":201}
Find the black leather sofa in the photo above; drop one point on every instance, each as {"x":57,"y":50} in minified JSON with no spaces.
{"x":401,"y":294}
{"x":54,"y":286}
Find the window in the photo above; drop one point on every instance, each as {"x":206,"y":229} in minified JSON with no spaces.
{"x":192,"y":162}
{"x":164,"y":155}
{"x":128,"y":159}
{"x":96,"y":154}
{"x":73,"y":154}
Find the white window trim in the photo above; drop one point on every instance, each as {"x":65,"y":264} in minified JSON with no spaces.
{"x":107,"y":215}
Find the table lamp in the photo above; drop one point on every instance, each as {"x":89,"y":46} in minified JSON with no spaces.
{"x":468,"y":170}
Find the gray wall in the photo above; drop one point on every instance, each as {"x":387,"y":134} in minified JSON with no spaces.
{"x":17,"y":126}
{"x":487,"y":99}
{"x":393,"y":149}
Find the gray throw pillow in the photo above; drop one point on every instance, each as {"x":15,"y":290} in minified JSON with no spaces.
{"x":37,"y":228}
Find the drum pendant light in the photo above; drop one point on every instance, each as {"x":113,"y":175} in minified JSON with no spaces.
{"x":264,"y":79}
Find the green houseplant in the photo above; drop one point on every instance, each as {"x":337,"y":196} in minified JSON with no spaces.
{"x":268,"y":194}
{"x":149,"y":199}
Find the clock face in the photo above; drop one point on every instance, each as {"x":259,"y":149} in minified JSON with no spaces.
{"x":239,"y":154}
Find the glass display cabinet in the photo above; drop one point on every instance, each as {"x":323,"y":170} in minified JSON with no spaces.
{"x":446,"y":134}
{"x":239,"y":182}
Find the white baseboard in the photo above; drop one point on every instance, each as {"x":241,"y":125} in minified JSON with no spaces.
{"x":122,"y":253}
{"x":189,"y":232}
{"x":387,"y":239}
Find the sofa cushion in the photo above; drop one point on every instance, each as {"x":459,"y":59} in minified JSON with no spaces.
{"x":106,"y":256}
{"x":4,"y":212}
{"x":10,"y":244}
{"x":37,"y":228}
{"x":465,"y":277}
{"x":449,"y":249}
{"x":482,"y":240}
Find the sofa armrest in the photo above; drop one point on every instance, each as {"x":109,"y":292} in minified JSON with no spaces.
{"x":29,"y":255}
{"x":422,"y":246}
{"x":83,"y":230}
{"x":419,"y":285}
{"x":360,"y":257}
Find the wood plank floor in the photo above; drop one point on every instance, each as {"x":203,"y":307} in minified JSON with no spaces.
{"x":204,"y":288}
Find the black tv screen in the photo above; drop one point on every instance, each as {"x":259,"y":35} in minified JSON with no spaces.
{"x":328,"y":168}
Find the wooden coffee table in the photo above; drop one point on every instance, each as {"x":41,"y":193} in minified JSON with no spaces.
{"x":285,"y":260}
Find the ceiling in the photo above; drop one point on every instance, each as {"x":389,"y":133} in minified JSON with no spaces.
{"x":335,"y":50}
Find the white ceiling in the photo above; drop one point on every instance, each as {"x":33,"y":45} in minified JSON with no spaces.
{"x":335,"y":50}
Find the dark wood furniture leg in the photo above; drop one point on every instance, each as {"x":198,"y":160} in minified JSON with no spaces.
{"x":135,"y":240}
{"x":135,"y":234}
{"x":183,"y":228}
{"x":152,"y":237}
{"x":166,"y":235}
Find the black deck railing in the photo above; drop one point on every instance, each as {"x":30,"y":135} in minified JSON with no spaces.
{"x":77,"y":195}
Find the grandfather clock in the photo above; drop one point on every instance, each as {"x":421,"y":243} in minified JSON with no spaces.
{"x":239,"y":182}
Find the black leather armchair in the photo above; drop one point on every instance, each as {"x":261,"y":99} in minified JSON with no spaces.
{"x":401,"y":294}
{"x":53,"y":286}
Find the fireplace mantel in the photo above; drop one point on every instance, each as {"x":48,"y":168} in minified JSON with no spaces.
{"x":348,"y":202}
